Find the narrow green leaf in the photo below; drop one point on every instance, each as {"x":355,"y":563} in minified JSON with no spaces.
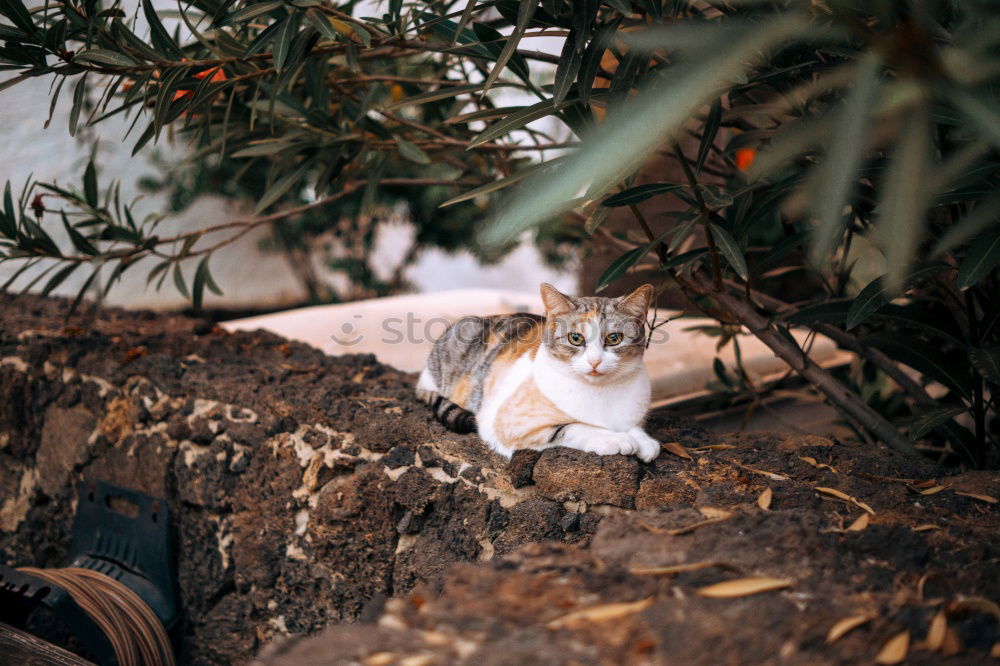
{"x":318,"y":20}
{"x":251,"y":11}
{"x":59,"y":278}
{"x":412,"y":152}
{"x":730,"y":250}
{"x":440,"y":94}
{"x":280,"y":187}
{"x":79,"y":241}
{"x":54,"y":101}
{"x":105,"y":57}
{"x":83,"y":290}
{"x":874,"y":296}
{"x":983,"y":256}
{"x":266,"y":36}
{"x":162,"y":41}
{"x":464,"y":20}
{"x":904,"y":199}
{"x":639,"y":193}
{"x":18,"y":15}
{"x":931,"y":419}
{"x":157,"y":270}
{"x":8,"y":208}
{"x":570,"y":61}
{"x":517,"y":120}
{"x":179,"y":281}
{"x":596,"y":219}
{"x":525,"y":10}
{"x":283,"y":41}
{"x":834,"y":180}
{"x":78,"y":95}
{"x":985,"y":214}
{"x":619,"y":266}
{"x":90,"y":185}
{"x":711,"y":130}
{"x":499,"y":184}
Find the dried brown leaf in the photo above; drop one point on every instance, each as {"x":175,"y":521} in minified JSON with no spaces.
{"x":676,"y":449}
{"x":774,"y":476}
{"x":764,"y":501}
{"x":895,"y":649}
{"x":978,"y":496}
{"x":843,"y":627}
{"x":678,"y":568}
{"x":847,"y":498}
{"x":976,"y":605}
{"x":933,"y":490}
{"x":926,"y":527}
{"x":925,"y":484}
{"x":952,"y":643}
{"x":715,"y":447}
{"x":937,"y":632}
{"x":744,"y":587}
{"x":678,"y":531}
{"x":859,"y":524}
{"x":600,"y":613}
{"x":818,"y":465}
{"x":714,"y":512}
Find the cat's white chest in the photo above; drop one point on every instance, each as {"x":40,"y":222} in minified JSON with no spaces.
{"x":617,"y":407}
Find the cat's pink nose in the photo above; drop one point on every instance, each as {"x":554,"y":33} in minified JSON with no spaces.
{"x":594,"y":364}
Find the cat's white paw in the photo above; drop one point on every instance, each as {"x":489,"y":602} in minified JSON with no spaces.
{"x":647,"y":447}
{"x":609,"y":444}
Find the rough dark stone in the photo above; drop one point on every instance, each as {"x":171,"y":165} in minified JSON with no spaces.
{"x":399,"y":456}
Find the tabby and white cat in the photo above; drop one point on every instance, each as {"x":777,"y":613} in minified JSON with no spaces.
{"x":574,"y":377}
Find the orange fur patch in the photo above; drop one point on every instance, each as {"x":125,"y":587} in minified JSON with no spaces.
{"x":525,"y":419}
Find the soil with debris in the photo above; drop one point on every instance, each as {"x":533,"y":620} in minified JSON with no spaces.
{"x":322,"y":517}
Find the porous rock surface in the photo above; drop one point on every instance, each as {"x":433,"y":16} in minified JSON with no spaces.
{"x":314,"y":492}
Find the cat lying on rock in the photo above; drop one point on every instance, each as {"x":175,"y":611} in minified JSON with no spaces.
{"x":574,"y":377}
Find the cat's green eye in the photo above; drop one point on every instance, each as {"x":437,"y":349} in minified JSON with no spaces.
{"x":613,"y":338}
{"x":575,"y":339}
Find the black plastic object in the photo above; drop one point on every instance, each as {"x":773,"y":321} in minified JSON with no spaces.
{"x":120,"y":533}
{"x":21,"y":594}
{"x":125,"y":534}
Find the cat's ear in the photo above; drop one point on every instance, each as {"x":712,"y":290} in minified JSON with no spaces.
{"x":637,"y":303}
{"x":555,"y":301}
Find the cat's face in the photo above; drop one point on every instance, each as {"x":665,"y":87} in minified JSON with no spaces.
{"x":598,"y":339}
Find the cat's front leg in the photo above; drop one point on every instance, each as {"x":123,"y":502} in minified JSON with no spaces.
{"x":597,"y":440}
{"x":648,"y":448}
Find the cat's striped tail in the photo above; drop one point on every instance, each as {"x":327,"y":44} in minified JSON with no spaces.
{"x":452,"y":416}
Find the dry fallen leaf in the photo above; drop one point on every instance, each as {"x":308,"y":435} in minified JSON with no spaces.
{"x":978,"y":496}
{"x":676,"y":449}
{"x":818,"y":465}
{"x":714,"y":512}
{"x":925,"y":484}
{"x":764,"y":501}
{"x":847,"y":498}
{"x":895,"y":649}
{"x":774,"y":476}
{"x":933,"y":490}
{"x":715,"y":447}
{"x":677,"y":531}
{"x":976,"y":605}
{"x":937,"y":632}
{"x":600,"y":613}
{"x":841,"y":628}
{"x":859,"y":524}
{"x":952,"y":643}
{"x":926,"y":526}
{"x":678,"y":568}
{"x":744,"y":587}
